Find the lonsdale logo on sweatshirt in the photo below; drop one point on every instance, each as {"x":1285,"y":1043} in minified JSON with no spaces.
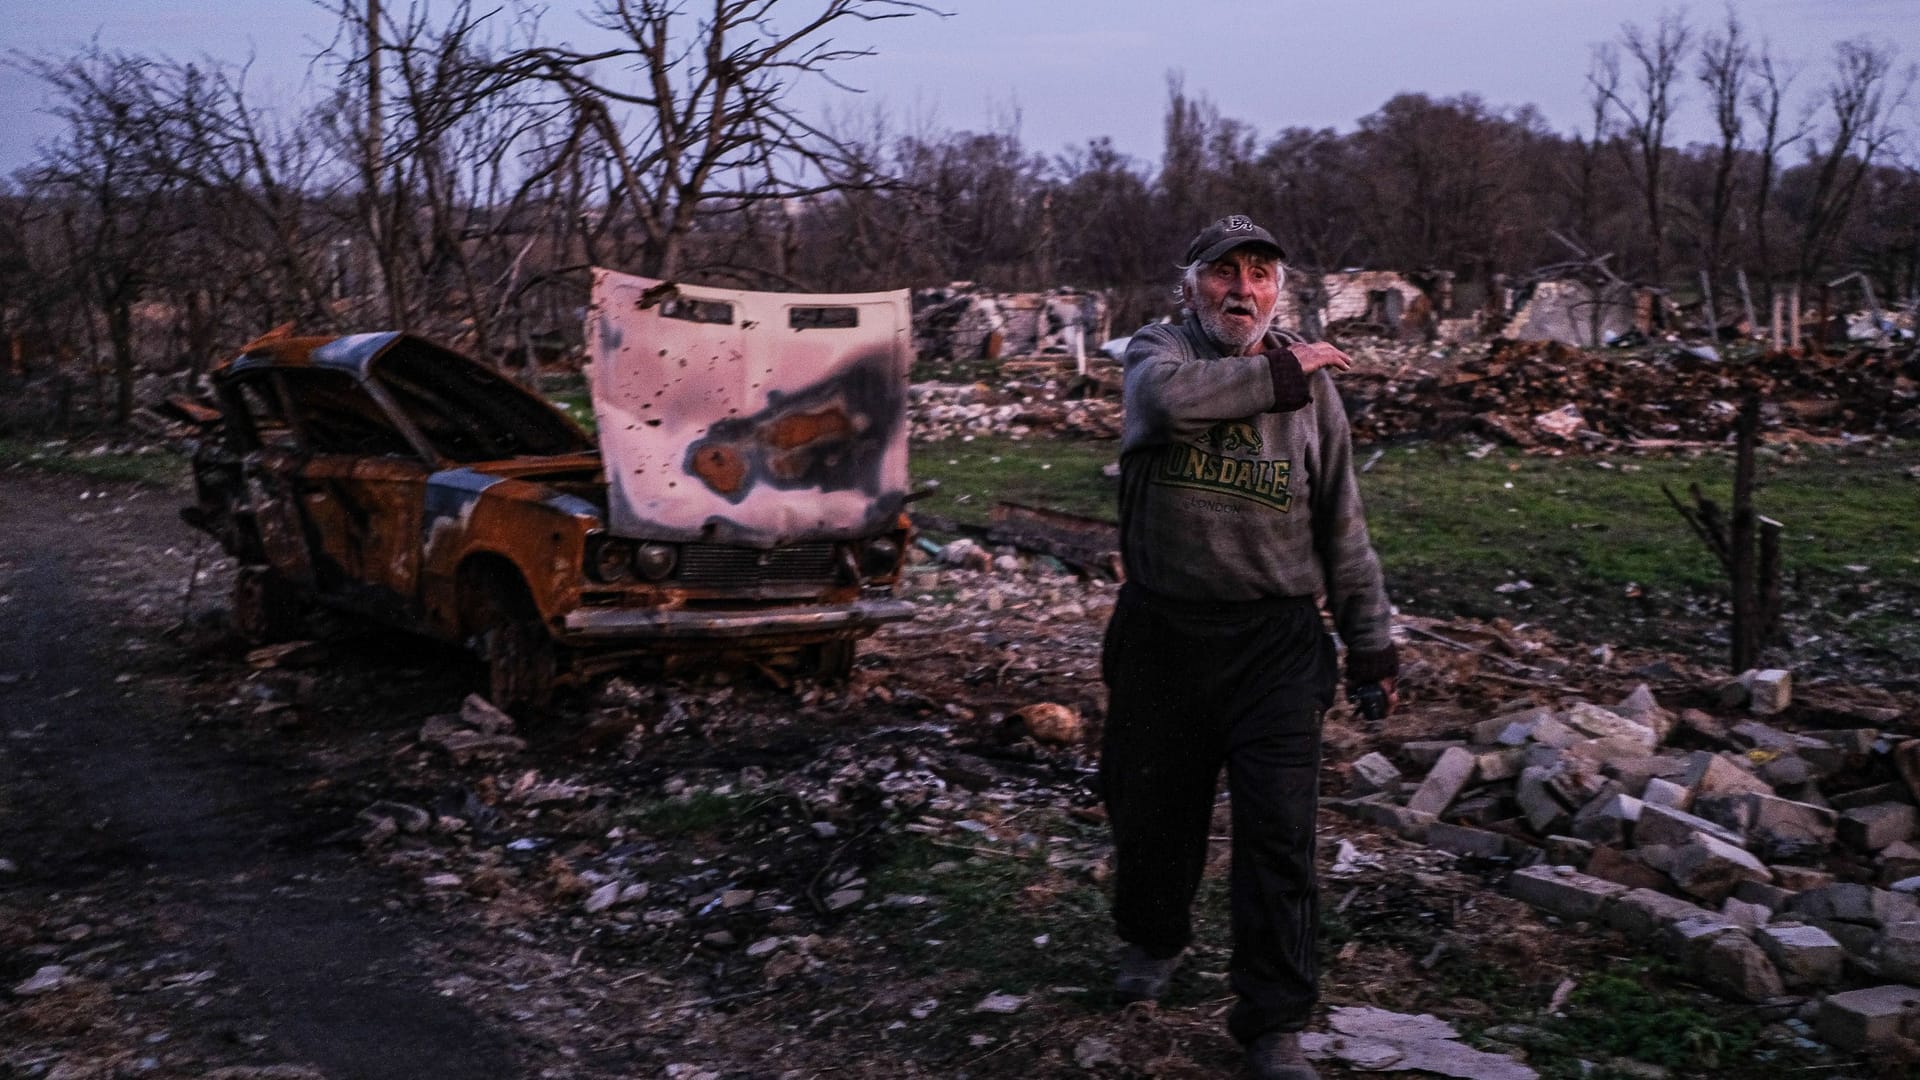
{"x":1208,"y":468}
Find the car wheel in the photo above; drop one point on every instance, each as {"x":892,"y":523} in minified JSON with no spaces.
{"x":523,"y":661}
{"x":267,"y":608}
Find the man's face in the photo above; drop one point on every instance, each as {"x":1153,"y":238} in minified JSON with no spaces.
{"x":1235,"y":298}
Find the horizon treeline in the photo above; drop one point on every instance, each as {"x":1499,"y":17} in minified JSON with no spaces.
{"x":460,"y":175}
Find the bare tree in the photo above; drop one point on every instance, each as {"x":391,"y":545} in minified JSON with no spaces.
{"x":1767,"y":100}
{"x":1645,"y":114}
{"x":1725,"y":59}
{"x":1861,"y":102}
{"x":709,"y":120}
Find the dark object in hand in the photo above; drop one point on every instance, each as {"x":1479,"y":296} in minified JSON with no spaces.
{"x":1370,"y":699}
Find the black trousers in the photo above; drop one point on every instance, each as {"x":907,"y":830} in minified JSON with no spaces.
{"x":1194,"y":688}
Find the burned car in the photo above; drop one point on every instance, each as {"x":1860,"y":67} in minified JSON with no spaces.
{"x":746,"y":496}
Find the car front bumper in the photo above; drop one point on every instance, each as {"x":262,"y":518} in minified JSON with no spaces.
{"x":828,"y":620}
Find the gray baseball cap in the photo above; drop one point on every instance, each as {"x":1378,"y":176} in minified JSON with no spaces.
{"x":1232,"y":231}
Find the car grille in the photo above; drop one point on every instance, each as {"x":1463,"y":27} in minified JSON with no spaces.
{"x":721,"y":566}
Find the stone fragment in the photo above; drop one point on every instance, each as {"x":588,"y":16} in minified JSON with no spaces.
{"x":1715,"y":774}
{"x":1402,"y":822}
{"x":1422,"y":753}
{"x":1607,"y":820}
{"x":1494,"y":765}
{"x":1612,"y":864}
{"x":1752,"y":916}
{"x":1800,"y":878}
{"x":1805,"y":956}
{"x":1892,"y":791}
{"x":1563,"y":891}
{"x":1373,"y":773}
{"x":483,"y":716}
{"x":1787,"y":830}
{"x":1001,"y":1004}
{"x":1860,"y":1020}
{"x":1665,"y":825}
{"x":1897,"y":951}
{"x":1851,"y":902}
{"x":1770,"y":896}
{"x":1602,"y":723}
{"x":1709,"y":868}
{"x":1510,"y":729}
{"x":1463,"y":840}
{"x":603,"y":898}
{"x":44,"y":980}
{"x":1688,"y":939}
{"x":1444,"y":782}
{"x":1770,"y":692}
{"x":1641,"y":705}
{"x":1898,"y":860}
{"x":1735,"y":965}
{"x":1568,"y":851}
{"x":1786,"y":771}
{"x":1733,"y":813}
{"x":1642,"y":913}
{"x":1543,"y":811}
{"x":1051,"y":722}
{"x":1482,"y":810}
{"x":1873,"y":828}
{"x":1371,"y":1039}
{"x":1758,"y":736}
{"x":1663,"y":792}
{"x":1550,"y":731}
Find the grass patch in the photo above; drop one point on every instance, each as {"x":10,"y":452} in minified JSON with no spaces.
{"x":987,"y":916}
{"x":690,"y":815}
{"x":159,"y":465}
{"x":1643,"y":1018}
{"x":1054,"y":474}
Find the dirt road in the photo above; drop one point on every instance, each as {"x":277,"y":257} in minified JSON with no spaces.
{"x":176,"y":883}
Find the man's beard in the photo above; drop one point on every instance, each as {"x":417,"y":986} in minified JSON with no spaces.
{"x":1234,"y":340}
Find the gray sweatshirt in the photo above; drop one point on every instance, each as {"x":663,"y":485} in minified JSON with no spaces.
{"x":1222,"y":498}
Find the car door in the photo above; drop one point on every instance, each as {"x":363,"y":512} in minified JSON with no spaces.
{"x":361,"y":491}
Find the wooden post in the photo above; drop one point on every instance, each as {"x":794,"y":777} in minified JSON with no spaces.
{"x":1746,"y":301}
{"x":1746,"y":636}
{"x":1713,"y":314}
{"x":1778,"y":302}
{"x":1793,"y":321}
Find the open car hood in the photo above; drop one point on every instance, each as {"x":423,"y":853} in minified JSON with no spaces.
{"x":747,"y":417}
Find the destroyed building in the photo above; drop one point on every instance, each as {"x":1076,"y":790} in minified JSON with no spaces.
{"x":963,"y":322}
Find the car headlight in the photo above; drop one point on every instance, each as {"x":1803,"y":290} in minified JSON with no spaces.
{"x":880,"y":557}
{"x":609,"y":559}
{"x":654,"y":561}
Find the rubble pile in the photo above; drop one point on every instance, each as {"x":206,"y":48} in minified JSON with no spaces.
{"x":1767,"y":861}
{"x":1550,"y":394}
{"x":1016,"y":410}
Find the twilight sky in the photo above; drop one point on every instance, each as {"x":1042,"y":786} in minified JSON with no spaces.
{"x":1070,"y":70}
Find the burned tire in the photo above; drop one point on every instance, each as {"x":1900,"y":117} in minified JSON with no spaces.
{"x":523,"y":660}
{"x":267,"y":608}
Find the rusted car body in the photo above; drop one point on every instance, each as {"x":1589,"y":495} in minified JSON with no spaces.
{"x":747,"y":496}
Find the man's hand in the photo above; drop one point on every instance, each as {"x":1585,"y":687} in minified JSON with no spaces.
{"x":1375,"y":700}
{"x":1314,"y":355}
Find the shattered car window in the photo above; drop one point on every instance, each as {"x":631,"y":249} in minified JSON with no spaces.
{"x":461,"y":412}
{"x":260,"y":397}
{"x":340,"y":417}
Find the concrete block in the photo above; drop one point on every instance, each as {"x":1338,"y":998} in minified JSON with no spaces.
{"x":1897,"y":951}
{"x":1444,"y":782}
{"x":1900,"y":859}
{"x":1892,"y":791}
{"x":1642,"y":706}
{"x":1857,"y":939}
{"x":1736,"y":966}
{"x":1563,"y":891}
{"x":1758,"y":736}
{"x":1371,"y":774}
{"x":1770,"y":896}
{"x":1788,"y":771}
{"x":1543,"y":810}
{"x":1800,"y":878}
{"x":1399,"y":820}
{"x":1805,"y":956}
{"x":1860,"y":1020}
{"x":1612,"y":864}
{"x":1687,"y":940}
{"x":1642,"y":913}
{"x":1663,"y":792}
{"x":1709,"y":868}
{"x":1872,"y":828}
{"x":1850,"y":902}
{"x":1601,"y":723}
{"x":1462,"y":840}
{"x":1733,"y":813}
{"x":1787,"y":830}
{"x":1665,"y":825}
{"x":1550,"y":731}
{"x":1422,"y":753}
{"x":1607,"y":820}
{"x":1492,"y":765}
{"x":1716,"y":774}
{"x":1751,"y":916}
{"x":1510,"y":729}
{"x":1770,"y":692}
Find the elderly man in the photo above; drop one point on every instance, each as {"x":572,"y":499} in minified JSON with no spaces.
{"x":1238,"y":505}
